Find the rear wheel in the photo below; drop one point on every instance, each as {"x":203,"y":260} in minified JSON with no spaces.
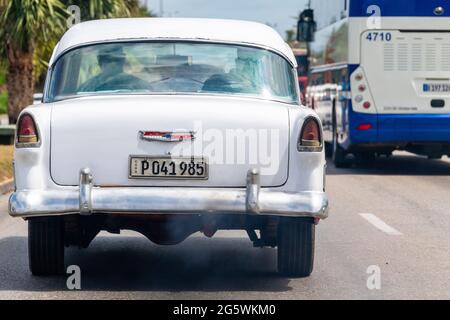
{"x":295,"y":247}
{"x":46,"y":246}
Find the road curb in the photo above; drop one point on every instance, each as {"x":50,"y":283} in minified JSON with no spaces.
{"x":6,"y":186}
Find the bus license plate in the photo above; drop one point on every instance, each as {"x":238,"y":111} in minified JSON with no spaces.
{"x":436,"y":87}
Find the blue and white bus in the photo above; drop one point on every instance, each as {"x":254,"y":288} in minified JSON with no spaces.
{"x":380,"y":76}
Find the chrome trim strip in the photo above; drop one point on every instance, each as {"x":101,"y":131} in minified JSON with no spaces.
{"x":164,"y":139}
{"x":31,"y":203}
{"x":161,"y":200}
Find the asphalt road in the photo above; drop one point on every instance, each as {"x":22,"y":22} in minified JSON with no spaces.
{"x":394,"y":215}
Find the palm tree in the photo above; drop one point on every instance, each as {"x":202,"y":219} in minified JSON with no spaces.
{"x":90,"y":10}
{"x":104,"y":9}
{"x":30,"y":29}
{"x":24,"y":23}
{"x":100,"y":9}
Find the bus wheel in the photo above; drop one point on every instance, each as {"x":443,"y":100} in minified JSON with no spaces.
{"x":338,"y":154}
{"x":328,"y":149}
{"x":365,"y":158}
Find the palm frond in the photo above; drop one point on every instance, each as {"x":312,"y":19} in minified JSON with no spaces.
{"x":23,"y":23}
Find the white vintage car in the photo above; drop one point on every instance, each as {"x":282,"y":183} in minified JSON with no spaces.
{"x":170,"y":127}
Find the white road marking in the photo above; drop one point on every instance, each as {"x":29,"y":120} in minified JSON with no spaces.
{"x":380,"y":224}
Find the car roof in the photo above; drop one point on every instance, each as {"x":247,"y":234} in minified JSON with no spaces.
{"x":195,"y":29}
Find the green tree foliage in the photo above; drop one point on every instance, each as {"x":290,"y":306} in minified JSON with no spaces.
{"x":23,"y":25}
{"x":29,"y":30}
{"x":89,"y":10}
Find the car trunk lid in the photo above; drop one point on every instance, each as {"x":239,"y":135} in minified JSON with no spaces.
{"x":102,"y":132}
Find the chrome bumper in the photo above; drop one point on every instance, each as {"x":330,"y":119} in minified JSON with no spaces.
{"x":86,"y":200}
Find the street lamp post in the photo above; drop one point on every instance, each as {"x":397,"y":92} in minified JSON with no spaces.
{"x":306,"y":28}
{"x":161,"y":8}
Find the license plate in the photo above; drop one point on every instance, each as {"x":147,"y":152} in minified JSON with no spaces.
{"x":144,"y":167}
{"x":436,"y":87}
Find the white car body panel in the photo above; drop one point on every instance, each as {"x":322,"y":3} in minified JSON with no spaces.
{"x":33,"y":165}
{"x":104,"y":131}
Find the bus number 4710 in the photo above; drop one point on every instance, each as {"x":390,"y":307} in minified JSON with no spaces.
{"x":379,"y":36}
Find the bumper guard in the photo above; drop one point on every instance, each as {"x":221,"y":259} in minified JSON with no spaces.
{"x":87,"y":199}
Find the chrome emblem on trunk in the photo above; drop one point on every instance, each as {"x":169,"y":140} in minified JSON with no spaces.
{"x":167,"y":136}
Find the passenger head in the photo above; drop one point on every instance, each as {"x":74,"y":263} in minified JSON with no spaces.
{"x":248,"y":58}
{"x":249,"y":65}
{"x":111,"y":59}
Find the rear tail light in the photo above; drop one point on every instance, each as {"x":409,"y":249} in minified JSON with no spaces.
{"x":365,"y":126}
{"x":27,"y":133}
{"x":311,"y":136}
{"x":360,"y":92}
{"x":366,"y":105}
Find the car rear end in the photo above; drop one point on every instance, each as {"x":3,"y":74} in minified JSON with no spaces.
{"x":81,"y":174}
{"x":103,"y":155}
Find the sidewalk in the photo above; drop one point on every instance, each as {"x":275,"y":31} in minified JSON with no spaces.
{"x":4,"y":205}
{"x":6,"y":186}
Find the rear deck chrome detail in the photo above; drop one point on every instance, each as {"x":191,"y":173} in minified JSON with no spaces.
{"x":85,"y":191}
{"x":87,"y":199}
{"x":252,"y":191}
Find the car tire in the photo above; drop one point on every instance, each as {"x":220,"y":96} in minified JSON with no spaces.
{"x":46,"y":246}
{"x":296,"y":239}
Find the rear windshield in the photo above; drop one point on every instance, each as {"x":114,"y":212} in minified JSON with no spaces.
{"x":172,"y":67}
